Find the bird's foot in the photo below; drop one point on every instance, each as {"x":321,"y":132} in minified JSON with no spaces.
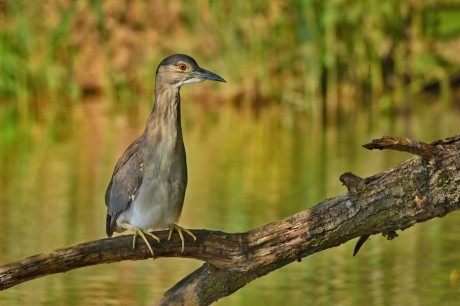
{"x":141,"y":233}
{"x":138,"y":231}
{"x":179,"y":230}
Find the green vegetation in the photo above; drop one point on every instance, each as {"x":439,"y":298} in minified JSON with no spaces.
{"x":323,"y":56}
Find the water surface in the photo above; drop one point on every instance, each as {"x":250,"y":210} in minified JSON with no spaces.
{"x":245,"y":170}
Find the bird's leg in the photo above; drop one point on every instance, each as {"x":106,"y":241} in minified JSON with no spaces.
{"x":138,"y":231}
{"x":179,"y":230}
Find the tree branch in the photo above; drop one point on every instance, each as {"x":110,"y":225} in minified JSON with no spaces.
{"x":415,"y":191}
{"x":421,"y":149}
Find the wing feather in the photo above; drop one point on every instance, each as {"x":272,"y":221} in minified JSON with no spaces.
{"x":124,"y":185}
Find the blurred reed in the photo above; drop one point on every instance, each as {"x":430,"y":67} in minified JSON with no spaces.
{"x":326,"y":57}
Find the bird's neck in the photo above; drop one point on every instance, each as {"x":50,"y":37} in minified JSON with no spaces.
{"x":165,"y":119}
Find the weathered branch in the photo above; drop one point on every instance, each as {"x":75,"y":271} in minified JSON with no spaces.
{"x":421,"y":149}
{"x":415,"y":191}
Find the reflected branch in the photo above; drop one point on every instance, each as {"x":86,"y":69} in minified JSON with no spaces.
{"x":417,"y":190}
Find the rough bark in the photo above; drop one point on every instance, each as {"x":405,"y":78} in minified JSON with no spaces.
{"x":419,"y":189}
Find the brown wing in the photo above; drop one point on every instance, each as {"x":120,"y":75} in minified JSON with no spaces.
{"x":124,"y":185}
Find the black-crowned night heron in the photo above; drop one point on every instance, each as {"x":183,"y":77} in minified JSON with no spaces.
{"x":148,"y":184}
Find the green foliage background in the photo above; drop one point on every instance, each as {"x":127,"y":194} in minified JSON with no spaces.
{"x":323,"y":56}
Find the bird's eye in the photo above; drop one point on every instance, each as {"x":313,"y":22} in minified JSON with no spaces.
{"x":182,"y":66}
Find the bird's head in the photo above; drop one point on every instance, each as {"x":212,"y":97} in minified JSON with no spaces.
{"x":179,"y":69}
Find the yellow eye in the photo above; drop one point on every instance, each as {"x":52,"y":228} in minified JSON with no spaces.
{"x":182,"y":66}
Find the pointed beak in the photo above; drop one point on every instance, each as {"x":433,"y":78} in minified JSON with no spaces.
{"x":207,"y":75}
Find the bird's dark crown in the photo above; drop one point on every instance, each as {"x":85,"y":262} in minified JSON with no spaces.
{"x":174,"y":59}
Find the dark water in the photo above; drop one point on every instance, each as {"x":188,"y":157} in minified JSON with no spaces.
{"x":245,"y":170}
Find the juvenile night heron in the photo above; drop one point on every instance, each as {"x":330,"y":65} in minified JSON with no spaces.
{"x":148,"y":184}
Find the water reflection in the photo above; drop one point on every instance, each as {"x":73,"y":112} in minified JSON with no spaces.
{"x":244,"y":171}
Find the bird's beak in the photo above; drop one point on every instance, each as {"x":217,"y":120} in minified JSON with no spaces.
{"x":207,"y":75}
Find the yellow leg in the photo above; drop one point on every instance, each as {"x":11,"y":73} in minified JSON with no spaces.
{"x":181,"y":235}
{"x":138,"y":231}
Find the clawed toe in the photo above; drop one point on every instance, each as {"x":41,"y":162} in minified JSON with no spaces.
{"x":138,"y":231}
{"x":181,"y":235}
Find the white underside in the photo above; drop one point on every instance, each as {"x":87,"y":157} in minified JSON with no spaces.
{"x":157,"y":206}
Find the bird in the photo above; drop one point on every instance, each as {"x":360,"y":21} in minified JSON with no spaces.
{"x":147,"y":188}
